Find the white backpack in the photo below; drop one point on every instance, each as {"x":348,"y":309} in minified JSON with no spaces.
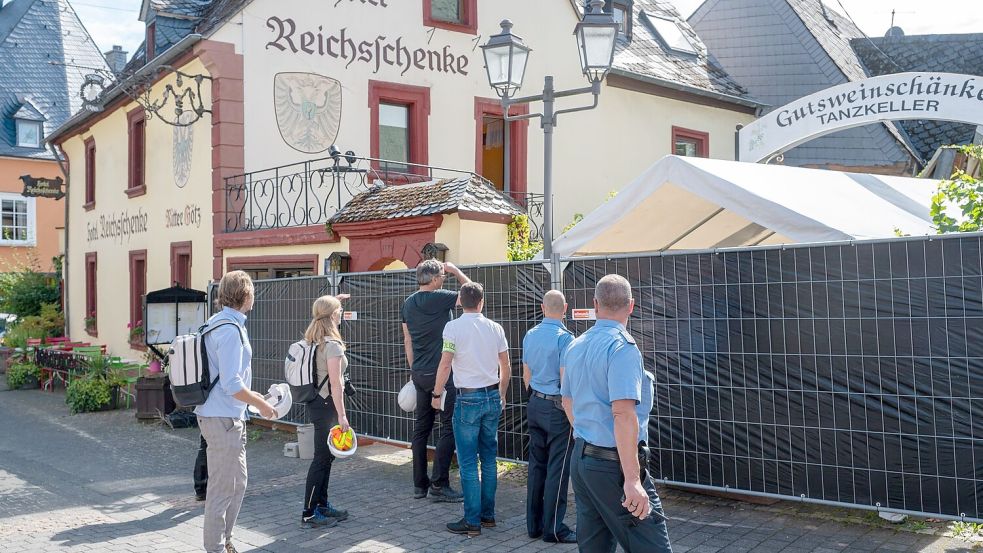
{"x":187,"y":364}
{"x":300,"y":371}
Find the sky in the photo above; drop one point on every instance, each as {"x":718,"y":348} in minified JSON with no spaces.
{"x":115,"y":21}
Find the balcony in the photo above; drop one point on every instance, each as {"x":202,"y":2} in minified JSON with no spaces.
{"x":309,"y":193}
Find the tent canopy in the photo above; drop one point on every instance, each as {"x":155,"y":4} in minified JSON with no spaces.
{"x":685,"y":203}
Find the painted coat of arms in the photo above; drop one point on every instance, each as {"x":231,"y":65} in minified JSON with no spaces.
{"x":308,"y":110}
{"x":182,"y":148}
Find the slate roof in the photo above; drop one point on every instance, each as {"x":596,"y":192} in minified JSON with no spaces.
{"x":946,"y":53}
{"x":468,"y":193}
{"x":834,"y":34}
{"x":647,"y":55}
{"x":36,"y":38}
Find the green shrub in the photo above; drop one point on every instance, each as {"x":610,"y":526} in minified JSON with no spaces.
{"x":49,"y":323}
{"x":88,"y":394}
{"x":17,"y":374}
{"x":23,"y":292}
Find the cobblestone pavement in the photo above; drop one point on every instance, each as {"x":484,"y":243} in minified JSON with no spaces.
{"x":104,"y":482}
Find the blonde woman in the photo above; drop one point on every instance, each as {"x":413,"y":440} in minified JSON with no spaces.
{"x":327,"y":410}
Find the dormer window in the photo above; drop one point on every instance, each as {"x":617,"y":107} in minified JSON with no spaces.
{"x":28,"y":134}
{"x":621,"y":11}
{"x":29,"y":122}
{"x":151,"y":41}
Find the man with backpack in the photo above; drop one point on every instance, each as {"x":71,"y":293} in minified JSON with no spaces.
{"x":424,"y":315}
{"x":221,"y":417}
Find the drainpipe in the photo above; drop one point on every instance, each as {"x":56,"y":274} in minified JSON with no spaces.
{"x":64,"y":261}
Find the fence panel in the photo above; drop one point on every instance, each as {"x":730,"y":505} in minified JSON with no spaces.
{"x":849,"y":374}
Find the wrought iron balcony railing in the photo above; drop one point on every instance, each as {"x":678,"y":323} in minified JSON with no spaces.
{"x":309,"y":193}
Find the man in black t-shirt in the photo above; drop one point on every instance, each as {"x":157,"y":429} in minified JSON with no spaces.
{"x":424,"y":315}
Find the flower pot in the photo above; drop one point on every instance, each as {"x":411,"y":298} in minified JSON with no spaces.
{"x":154,"y":367}
{"x":31,"y":382}
{"x":113,"y":400}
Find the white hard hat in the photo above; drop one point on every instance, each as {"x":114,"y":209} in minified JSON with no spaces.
{"x":280,"y":398}
{"x":342,"y":453}
{"x":407,"y":397}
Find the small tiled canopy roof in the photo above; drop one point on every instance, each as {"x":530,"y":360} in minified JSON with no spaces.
{"x":464,"y":194}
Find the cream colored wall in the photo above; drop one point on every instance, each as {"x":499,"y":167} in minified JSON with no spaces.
{"x":595,"y":152}
{"x":471,"y":242}
{"x":322,"y":250}
{"x":113,"y":279}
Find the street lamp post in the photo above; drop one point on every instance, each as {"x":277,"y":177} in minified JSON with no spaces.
{"x":506,"y":56}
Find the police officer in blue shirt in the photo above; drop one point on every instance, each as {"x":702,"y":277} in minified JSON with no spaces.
{"x":549,"y":431}
{"x":607,"y":396}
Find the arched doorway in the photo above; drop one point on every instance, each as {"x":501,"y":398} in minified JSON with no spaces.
{"x":388,"y":264}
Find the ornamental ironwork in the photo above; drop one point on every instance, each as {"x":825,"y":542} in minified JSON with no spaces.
{"x":181,"y":103}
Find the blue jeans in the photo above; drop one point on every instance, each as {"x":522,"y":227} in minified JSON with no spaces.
{"x":476,"y":417}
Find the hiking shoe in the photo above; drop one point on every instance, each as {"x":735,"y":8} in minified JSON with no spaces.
{"x":445,"y":494}
{"x":330,"y":512}
{"x":462,"y":527}
{"x":419,"y":493}
{"x":487,"y":523}
{"x":317,"y":520}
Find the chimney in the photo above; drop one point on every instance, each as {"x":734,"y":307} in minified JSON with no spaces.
{"x":116,"y":58}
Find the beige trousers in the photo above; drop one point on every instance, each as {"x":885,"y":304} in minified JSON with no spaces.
{"x":227,"y":477}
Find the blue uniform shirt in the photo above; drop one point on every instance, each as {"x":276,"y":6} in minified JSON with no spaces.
{"x":604,"y":365}
{"x":541,"y":350}
{"x":230,"y":359}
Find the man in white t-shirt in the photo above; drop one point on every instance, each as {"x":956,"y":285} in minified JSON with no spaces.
{"x":477,"y":350}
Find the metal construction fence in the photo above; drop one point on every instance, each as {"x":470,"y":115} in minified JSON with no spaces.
{"x":847,"y":374}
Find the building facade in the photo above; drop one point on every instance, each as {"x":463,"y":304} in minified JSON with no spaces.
{"x":42,"y":46}
{"x":313,"y":104}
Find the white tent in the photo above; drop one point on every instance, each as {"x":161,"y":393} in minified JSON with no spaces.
{"x":685,"y":203}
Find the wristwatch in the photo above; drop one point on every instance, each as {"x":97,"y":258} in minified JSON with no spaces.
{"x":435,"y":395}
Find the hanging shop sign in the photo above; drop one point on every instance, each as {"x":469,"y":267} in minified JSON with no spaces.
{"x":42,"y":187}
{"x":932,"y":96}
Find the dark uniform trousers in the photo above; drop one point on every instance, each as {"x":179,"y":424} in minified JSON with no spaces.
{"x":425,"y":415}
{"x":550,"y":445}
{"x":602,"y":522}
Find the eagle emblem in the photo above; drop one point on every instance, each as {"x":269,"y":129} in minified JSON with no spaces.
{"x":308,"y":110}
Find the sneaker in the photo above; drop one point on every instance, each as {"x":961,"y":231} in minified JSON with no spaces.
{"x":487,"y":523}
{"x":462,"y":527}
{"x":419,"y":493}
{"x":229,"y":548}
{"x":317,"y":520}
{"x":330,"y":512}
{"x":445,"y":494}
{"x":199,"y":497}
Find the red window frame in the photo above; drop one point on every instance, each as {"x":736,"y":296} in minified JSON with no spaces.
{"x":136,"y":122}
{"x":469,"y":17}
{"x":417,"y":99}
{"x":179,"y":252}
{"x":702,"y":138}
{"x":518,"y":145}
{"x":151,"y":41}
{"x":90,"y":174}
{"x":91,"y":287}
{"x":138,"y":288}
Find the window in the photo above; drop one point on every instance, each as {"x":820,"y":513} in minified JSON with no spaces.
{"x":90,"y":173}
{"x":17,"y":220}
{"x":274,"y":266}
{"x":28,"y":133}
{"x":137,"y":122}
{"x":453,"y":15}
{"x":138,"y":289}
{"x":671,"y":34}
{"x":398,"y":120}
{"x":686,"y":142}
{"x":394,"y":135}
{"x":181,"y":264}
{"x":492,"y":143}
{"x":621,"y":11}
{"x":90,"y":293}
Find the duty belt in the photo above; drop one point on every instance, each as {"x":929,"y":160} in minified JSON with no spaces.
{"x":611,"y":453}
{"x":472,"y":390}
{"x":547,"y":397}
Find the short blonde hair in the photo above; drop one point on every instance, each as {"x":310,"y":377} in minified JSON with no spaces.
{"x":234,"y":288}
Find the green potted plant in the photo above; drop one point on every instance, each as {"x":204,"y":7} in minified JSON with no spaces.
{"x":98,"y":390}
{"x":23,"y":376}
{"x":90,"y":322}
{"x":136,"y":332}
